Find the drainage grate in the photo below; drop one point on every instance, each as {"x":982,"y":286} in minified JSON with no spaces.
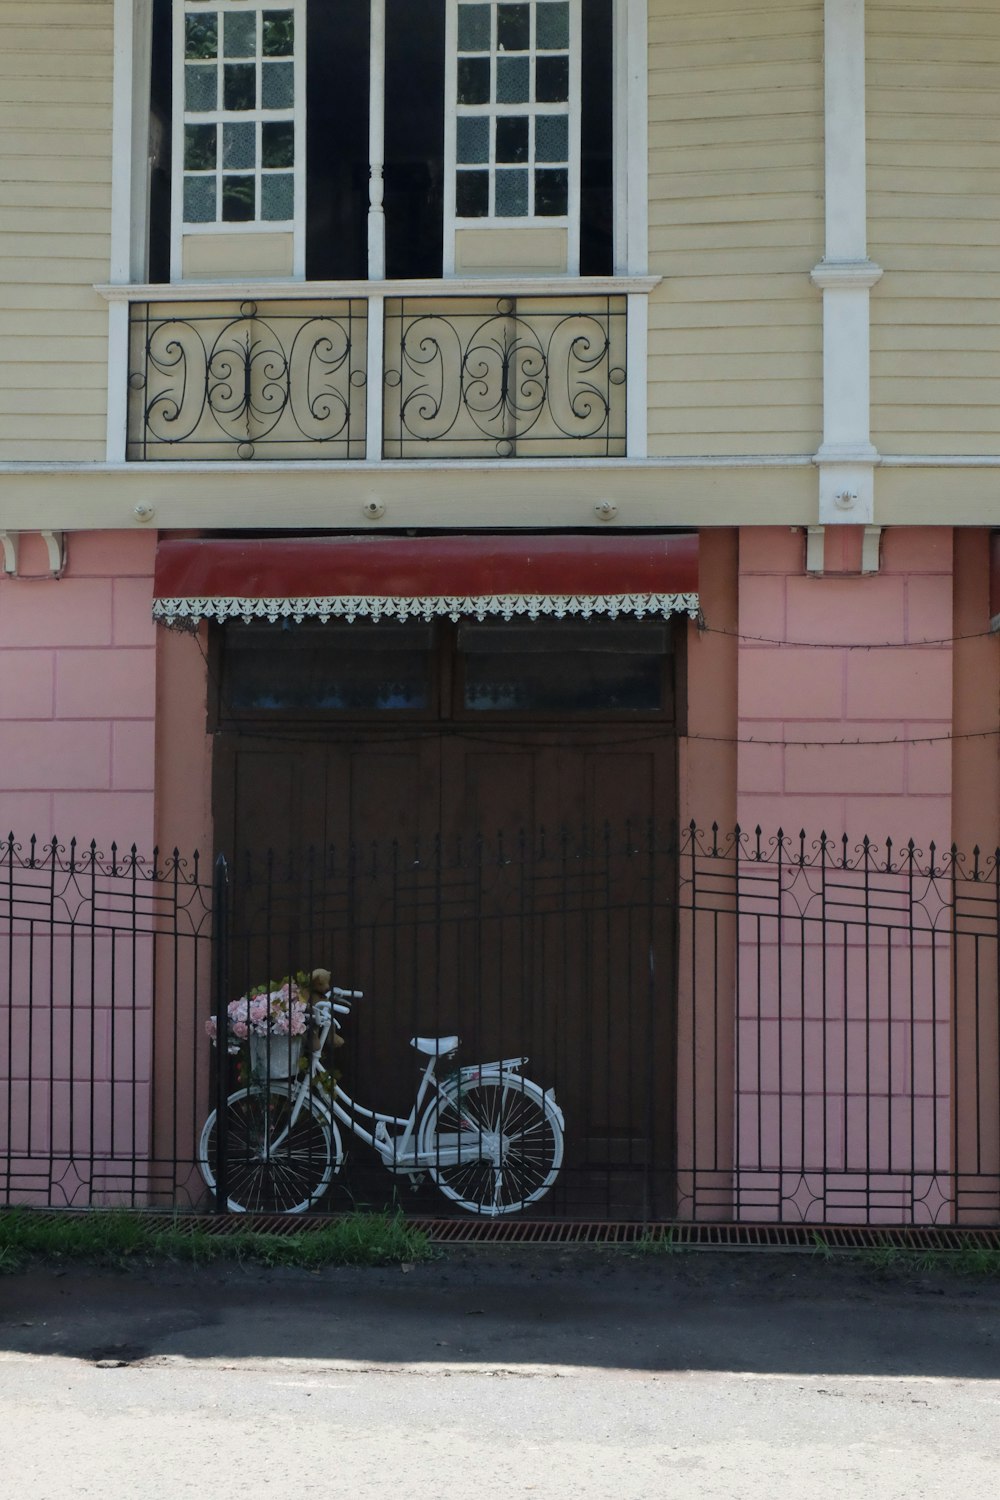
{"x":474,"y":1231}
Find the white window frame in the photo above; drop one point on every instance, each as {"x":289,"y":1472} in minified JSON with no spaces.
{"x":570,"y":221}
{"x":130,"y":206}
{"x":179,"y":229}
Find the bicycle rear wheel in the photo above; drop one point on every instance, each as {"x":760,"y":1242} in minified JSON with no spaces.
{"x":510,"y":1140}
{"x":284,"y":1178}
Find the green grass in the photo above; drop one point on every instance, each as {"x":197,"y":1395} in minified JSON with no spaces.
{"x":656,"y":1244}
{"x":115,"y":1237}
{"x":970,"y":1260}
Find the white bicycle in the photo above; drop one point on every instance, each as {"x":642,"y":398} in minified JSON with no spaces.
{"x":487,"y":1136}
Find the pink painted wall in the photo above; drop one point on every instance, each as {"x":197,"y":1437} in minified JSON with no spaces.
{"x":843,"y":1052}
{"x":77,"y":703}
{"x":77,"y":693}
{"x":828,"y":692}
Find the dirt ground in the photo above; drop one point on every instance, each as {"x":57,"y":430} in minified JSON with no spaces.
{"x":758,"y":1311}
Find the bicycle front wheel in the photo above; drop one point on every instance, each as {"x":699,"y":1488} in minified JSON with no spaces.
{"x":272,"y":1166}
{"x":508,"y":1136}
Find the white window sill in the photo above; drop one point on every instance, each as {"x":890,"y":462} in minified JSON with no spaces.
{"x":314,"y":291}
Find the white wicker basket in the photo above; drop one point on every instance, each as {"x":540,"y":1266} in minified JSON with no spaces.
{"x":275,"y":1057}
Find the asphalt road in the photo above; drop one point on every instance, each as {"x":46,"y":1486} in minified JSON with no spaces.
{"x":565,"y":1374}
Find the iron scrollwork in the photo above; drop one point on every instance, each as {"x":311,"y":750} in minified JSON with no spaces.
{"x":505,"y":378}
{"x":284,"y":381}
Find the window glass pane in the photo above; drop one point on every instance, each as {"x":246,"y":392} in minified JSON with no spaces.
{"x":552,"y":25}
{"x":551,"y":192}
{"x":201,"y":35}
{"x":594,"y":636}
{"x":279,"y":33}
{"x":240,"y":34}
{"x":473,"y":80}
{"x":552,"y":79}
{"x":381,"y":668}
{"x":239,"y":89}
{"x":201,"y":87}
{"x":551,"y":138}
{"x":512,"y":80}
{"x":237,"y":199}
{"x":511,"y":195}
{"x":473,"y":139}
{"x":473,"y":28}
{"x":472,"y":195}
{"x":513,"y":28}
{"x":278,"y":143}
{"x":278,"y":85}
{"x":199,"y":147}
{"x":563,"y":682}
{"x":199,"y":200}
{"x":512,"y":138}
{"x":277,"y":195}
{"x":239,"y":145}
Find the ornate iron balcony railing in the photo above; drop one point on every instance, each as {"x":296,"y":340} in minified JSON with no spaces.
{"x":247,"y":380}
{"x":462,"y":376}
{"x":505,"y":377}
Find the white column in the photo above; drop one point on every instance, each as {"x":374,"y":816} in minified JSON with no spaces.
{"x":376,"y":145}
{"x":845,"y":275}
{"x":631,"y":178}
{"x":637,"y":359}
{"x":124,"y":159}
{"x":631,"y":152}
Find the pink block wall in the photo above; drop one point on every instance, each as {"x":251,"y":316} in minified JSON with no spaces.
{"x":77,"y":704}
{"x":823,"y":690}
{"x":859,"y":1075}
{"x":77,"y":693}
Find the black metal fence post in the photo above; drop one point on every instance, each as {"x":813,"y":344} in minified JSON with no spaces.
{"x":220,"y":941}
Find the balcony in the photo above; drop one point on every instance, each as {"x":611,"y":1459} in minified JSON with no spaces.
{"x":469,"y":371}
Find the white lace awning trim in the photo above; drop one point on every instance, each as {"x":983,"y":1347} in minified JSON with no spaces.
{"x":373,"y":607}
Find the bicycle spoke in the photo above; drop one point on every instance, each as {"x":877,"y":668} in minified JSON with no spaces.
{"x":273,"y":1166}
{"x":509,"y":1144}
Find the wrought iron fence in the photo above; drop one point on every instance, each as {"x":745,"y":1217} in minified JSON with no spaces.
{"x":225,"y":380}
{"x":735,"y":1027}
{"x":503,"y":378}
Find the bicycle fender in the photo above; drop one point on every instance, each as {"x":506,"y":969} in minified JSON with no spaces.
{"x":493,"y":1071}
{"x":475,"y":1071}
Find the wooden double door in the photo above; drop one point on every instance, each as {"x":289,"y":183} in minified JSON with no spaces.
{"x":508,"y":881}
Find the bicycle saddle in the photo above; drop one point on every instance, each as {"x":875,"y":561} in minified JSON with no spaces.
{"x":434,"y":1046}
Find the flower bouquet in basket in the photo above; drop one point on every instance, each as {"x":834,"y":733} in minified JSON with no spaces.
{"x":273,"y":1021}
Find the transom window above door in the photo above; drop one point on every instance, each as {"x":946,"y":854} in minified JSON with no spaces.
{"x":544,"y":670}
{"x":478,"y":132}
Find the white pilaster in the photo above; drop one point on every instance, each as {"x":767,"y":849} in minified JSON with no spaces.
{"x":124,"y":168}
{"x":846,"y":459}
{"x":631,"y":151}
{"x":375,"y":391}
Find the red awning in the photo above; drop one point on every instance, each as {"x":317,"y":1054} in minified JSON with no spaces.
{"x":375,"y":577}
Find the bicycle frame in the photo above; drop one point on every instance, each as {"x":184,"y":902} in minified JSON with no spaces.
{"x":398,"y":1151}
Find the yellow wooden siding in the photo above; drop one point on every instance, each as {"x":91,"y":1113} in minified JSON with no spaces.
{"x":934,"y":211}
{"x":735,"y":226}
{"x":55,"y":219}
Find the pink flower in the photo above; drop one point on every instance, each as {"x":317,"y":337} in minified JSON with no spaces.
{"x":210,"y":1028}
{"x":240,"y":1029}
